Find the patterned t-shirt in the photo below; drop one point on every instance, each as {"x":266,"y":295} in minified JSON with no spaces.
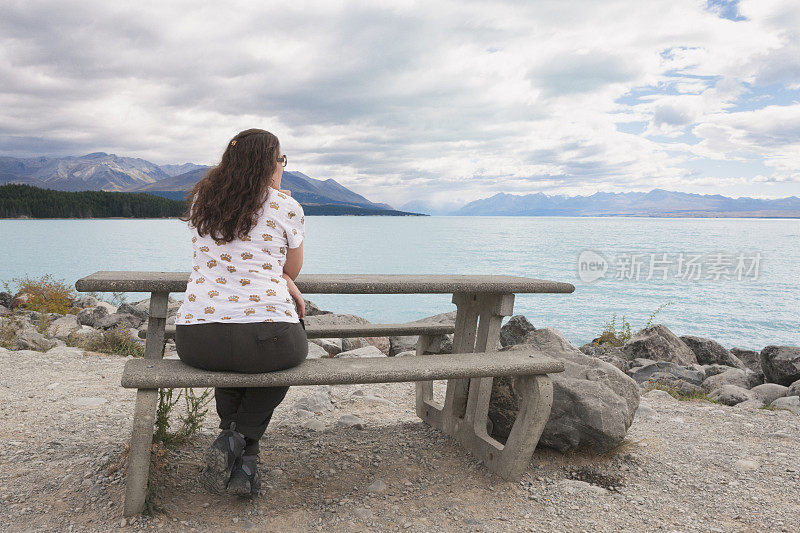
{"x":240,"y":281}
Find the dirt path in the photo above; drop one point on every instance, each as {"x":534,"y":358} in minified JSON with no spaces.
{"x":687,"y":466}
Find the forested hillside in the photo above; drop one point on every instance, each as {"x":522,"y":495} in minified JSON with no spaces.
{"x":28,"y":201}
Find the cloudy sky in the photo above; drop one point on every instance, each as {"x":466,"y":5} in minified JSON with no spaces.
{"x":441,"y":101}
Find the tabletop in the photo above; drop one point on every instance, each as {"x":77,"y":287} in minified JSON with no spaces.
{"x":135,"y":281}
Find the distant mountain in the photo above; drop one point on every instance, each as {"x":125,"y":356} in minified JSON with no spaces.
{"x":108,"y":172}
{"x":174,"y":170}
{"x":306,"y":190}
{"x":658,"y":202}
{"x":429,"y":208}
{"x":92,"y":172}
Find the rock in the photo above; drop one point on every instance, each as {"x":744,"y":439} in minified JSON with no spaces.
{"x":353,"y":343}
{"x":406,"y":354}
{"x":315,"y":351}
{"x":658,"y":343}
{"x":731,"y":394}
{"x":713,"y":370}
{"x":750,"y":358}
{"x":316,"y":402}
{"x":91,"y":315}
{"x":84,"y":332}
{"x":4,"y":310}
{"x":709,"y":352}
{"x":591,"y":349}
{"x":644,"y":373}
{"x":781,"y":364}
{"x":351,"y":421}
{"x":138,"y":312}
{"x":363,"y":513}
{"x":593,"y":402}
{"x":369,"y":398}
{"x":313,"y":309}
{"x":30,"y":339}
{"x":402,"y":343}
{"x":515,"y":330}
{"x":331,"y":346}
{"x":643,"y":412}
{"x":108,"y":307}
{"x":85,"y":300}
{"x":794,"y":389}
{"x":366,"y":351}
{"x":745,"y":379}
{"x":791,"y":403}
{"x":6,"y":299}
{"x":769,"y":392}
{"x":754,"y":403}
{"x":143,"y":306}
{"x":681,"y":386}
{"x":314,"y":424}
{"x":659,"y":396}
{"x":614,"y":356}
{"x":125,"y":320}
{"x":62,"y":327}
{"x":376,"y":487}
{"x":575,"y":486}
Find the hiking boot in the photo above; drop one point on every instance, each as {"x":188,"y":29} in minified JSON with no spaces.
{"x":244,"y":479}
{"x":221,"y":457}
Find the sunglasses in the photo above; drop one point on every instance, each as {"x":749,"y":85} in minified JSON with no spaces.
{"x":283,"y":160}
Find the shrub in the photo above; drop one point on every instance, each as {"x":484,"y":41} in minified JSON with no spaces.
{"x":190,"y":422}
{"x":116,"y":340}
{"x":47,"y":295}
{"x":9,"y":326}
{"x":618,"y":337}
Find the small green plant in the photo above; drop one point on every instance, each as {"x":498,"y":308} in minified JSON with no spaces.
{"x":679,"y":394}
{"x":196,"y":410}
{"x":45,"y":294}
{"x":116,"y":340}
{"x":9,"y":326}
{"x":654,"y":313}
{"x":613,"y":336}
{"x":43,"y":323}
{"x":118,"y":298}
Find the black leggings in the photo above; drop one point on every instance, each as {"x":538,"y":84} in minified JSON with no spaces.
{"x":250,"y":347}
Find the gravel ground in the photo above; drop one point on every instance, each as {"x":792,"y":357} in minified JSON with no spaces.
{"x":686,"y":466}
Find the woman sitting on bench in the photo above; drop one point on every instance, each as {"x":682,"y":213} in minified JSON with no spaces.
{"x":242,"y":310}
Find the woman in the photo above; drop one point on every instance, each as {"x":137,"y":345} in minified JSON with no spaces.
{"x":242,"y":310}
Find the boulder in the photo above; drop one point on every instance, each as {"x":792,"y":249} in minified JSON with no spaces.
{"x":402,"y":343}
{"x":733,"y":376}
{"x":731,"y":395}
{"x":331,"y":346}
{"x":111,"y":308}
{"x":138,"y":312}
{"x":124,"y":319}
{"x":144,"y":306}
{"x":781,"y":364}
{"x":681,"y":386}
{"x":315,"y":351}
{"x":63,"y":326}
{"x":657,"y":342}
{"x":792,"y":403}
{"x":313,"y":309}
{"x":382,"y":343}
{"x":85,"y":300}
{"x":614,"y":356}
{"x":365,"y":351}
{"x":6,"y":299}
{"x":91,"y":315}
{"x":594,"y":403}
{"x":710,"y":352}
{"x":750,"y":358}
{"x":30,"y":339}
{"x":4,"y":310}
{"x":663,"y":368}
{"x":713,"y":370}
{"x":769,"y":392}
{"x":794,"y":389}
{"x":514,"y":331}
{"x":316,"y":402}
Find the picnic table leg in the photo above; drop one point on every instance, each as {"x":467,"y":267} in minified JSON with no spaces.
{"x":145,"y":413}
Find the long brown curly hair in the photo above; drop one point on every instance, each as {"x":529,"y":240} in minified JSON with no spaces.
{"x":225,"y":203}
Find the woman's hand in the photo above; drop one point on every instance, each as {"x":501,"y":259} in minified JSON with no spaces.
{"x":297,"y":295}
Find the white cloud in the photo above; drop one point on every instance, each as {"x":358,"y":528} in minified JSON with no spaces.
{"x":407,"y":99}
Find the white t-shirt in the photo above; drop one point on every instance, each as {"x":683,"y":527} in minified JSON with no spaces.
{"x":240,"y":281}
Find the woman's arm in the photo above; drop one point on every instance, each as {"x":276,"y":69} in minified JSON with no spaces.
{"x":296,"y":295}
{"x":294,"y":261}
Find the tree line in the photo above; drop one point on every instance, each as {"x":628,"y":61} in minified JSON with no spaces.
{"x":28,"y":201}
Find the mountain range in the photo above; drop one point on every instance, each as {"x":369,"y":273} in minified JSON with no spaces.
{"x":108,"y":172}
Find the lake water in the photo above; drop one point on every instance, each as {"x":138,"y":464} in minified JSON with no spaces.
{"x":733,"y":280}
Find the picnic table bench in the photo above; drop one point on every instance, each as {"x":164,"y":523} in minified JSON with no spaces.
{"x":481,"y":300}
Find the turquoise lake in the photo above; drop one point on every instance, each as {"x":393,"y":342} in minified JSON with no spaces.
{"x":736,"y":281}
